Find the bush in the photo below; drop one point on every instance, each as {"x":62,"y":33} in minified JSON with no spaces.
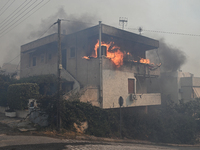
{"x":100,"y":122}
{"x":5,"y":81}
{"x":18,"y":95}
{"x":47,"y":83}
{"x":168,"y":124}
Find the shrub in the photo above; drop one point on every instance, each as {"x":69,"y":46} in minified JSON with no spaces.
{"x":5,"y":81}
{"x":100,"y":122}
{"x":47,"y":83}
{"x":18,"y":95}
{"x":168,"y":124}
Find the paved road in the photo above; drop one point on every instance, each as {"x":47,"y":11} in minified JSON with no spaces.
{"x":46,"y":143}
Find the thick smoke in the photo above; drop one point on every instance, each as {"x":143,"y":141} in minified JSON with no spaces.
{"x":74,"y":23}
{"x":170,"y":57}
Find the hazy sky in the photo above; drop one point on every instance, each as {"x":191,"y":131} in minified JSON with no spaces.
{"x":178,"y":16}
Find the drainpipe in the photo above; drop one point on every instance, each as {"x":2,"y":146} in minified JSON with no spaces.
{"x":135,"y":86}
{"x":100,"y":69}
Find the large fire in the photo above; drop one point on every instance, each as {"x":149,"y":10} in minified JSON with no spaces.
{"x":114,"y":53}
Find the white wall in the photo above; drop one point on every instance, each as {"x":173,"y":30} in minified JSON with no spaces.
{"x":115,"y":84}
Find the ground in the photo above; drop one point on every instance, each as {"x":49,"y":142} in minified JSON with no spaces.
{"x":12,"y":139}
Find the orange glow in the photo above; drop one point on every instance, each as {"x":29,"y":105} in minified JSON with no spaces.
{"x":85,"y":57}
{"x":113,"y":52}
{"x":144,"y":61}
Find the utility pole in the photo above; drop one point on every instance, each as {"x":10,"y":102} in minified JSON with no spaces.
{"x":121,"y":101}
{"x":100,"y":67}
{"x":123,"y":21}
{"x":59,"y":76}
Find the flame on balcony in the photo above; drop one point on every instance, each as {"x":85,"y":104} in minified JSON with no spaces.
{"x":144,"y":61}
{"x":114,"y":53}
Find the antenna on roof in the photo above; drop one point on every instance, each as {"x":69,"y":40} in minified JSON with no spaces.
{"x":140,"y":30}
{"x":123,"y":21}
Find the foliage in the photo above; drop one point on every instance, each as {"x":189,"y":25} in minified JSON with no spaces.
{"x":169,"y":123}
{"x":101,"y":122}
{"x":191,"y":108}
{"x":18,"y":95}
{"x":5,"y":81}
{"x":47,"y":83}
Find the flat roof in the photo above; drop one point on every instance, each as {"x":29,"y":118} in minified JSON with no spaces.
{"x":142,"y":41}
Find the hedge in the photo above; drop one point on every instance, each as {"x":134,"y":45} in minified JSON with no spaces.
{"x":18,"y":95}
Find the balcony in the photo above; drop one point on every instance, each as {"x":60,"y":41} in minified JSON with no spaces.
{"x":144,"y":99}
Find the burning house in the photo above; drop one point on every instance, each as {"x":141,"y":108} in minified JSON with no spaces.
{"x":116,"y":68}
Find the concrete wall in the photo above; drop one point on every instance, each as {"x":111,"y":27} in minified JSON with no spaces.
{"x":170,"y":87}
{"x":115,"y":84}
{"x":196,"y":81}
{"x":85,"y":71}
{"x":91,"y":95}
{"x":186,"y":93}
{"x":187,"y":84}
{"x":186,"y":81}
{"x":47,"y":66}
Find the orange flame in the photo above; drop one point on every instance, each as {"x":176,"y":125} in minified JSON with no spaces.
{"x":144,"y":61}
{"x":86,"y":57}
{"x":113,"y":52}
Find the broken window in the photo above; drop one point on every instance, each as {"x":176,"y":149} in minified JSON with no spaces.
{"x":34,"y":61}
{"x":131,"y":86}
{"x":72,"y":52}
{"x":103,"y":51}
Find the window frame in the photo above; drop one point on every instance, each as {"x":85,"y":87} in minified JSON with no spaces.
{"x":133,"y":90}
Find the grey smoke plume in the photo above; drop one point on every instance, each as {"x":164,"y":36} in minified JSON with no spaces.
{"x":74,"y":24}
{"x":171,"y":58}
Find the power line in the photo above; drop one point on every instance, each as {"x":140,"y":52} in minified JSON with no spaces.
{"x":13,"y":58}
{"x":18,"y":16}
{"x":4,"y":5}
{"x":7,"y":7}
{"x":2,"y":33}
{"x":166,"y":32}
{"x":47,"y":29}
{"x":13,"y":13}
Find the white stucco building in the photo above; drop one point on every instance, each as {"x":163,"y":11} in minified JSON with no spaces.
{"x":121,"y":70}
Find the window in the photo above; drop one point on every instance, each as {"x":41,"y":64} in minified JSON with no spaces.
{"x":103,"y":51}
{"x":34,"y":61}
{"x":42,"y":58}
{"x":72,"y":52}
{"x":131,"y":86}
